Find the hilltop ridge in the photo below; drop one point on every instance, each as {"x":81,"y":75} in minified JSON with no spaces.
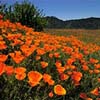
{"x":84,"y":23}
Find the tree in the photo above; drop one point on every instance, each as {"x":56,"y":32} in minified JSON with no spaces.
{"x":25,"y":13}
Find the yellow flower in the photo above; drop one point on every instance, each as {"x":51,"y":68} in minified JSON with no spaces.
{"x":59,"y":90}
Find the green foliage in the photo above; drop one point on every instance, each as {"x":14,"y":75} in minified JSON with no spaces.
{"x":25,"y":13}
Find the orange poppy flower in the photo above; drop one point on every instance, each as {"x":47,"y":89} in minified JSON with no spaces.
{"x":56,"y":54}
{"x":40,"y":51}
{"x":17,"y":56}
{"x":83,"y":95}
{"x":68,"y":50}
{"x":97,"y":66}
{"x":34,"y":78}
{"x":1,"y":38}
{"x":3,"y":30}
{"x":46,"y":77}
{"x":51,"y":82}
{"x":27,"y":50}
{"x":70,"y":61}
{"x":69,"y":73}
{"x":16,"y":42}
{"x":58,"y":64}
{"x":72,"y":67}
{"x":77,"y":55}
{"x":51,"y":55}
{"x":76,"y":83}
{"x":76,"y":76}
{"x":2,"y":68}
{"x":61,"y":70}
{"x":3,"y":58}
{"x":88,"y":99}
{"x":2,"y":45}
{"x":90,"y":71}
{"x":67,"y":67}
{"x":95,"y":92}
{"x":59,"y":90}
{"x":44,"y":64}
{"x":32,"y":84}
{"x":9,"y":70}
{"x":64,"y":76}
{"x":38,"y":57}
{"x":85,"y":67}
{"x":20,"y":76}
{"x":93,"y":61}
{"x":97,"y":71}
{"x":51,"y":94}
{"x":20,"y":70}
{"x":86,"y":52}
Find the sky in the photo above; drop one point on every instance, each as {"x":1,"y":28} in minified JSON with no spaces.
{"x":66,"y":9}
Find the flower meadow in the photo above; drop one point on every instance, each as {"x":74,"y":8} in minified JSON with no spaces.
{"x":40,"y":66}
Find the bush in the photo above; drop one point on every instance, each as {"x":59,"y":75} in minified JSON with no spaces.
{"x":25,"y":13}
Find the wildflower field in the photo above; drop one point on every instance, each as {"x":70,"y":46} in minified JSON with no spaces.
{"x":86,"y":35}
{"x":40,"y":66}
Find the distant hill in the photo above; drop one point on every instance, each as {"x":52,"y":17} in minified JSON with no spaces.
{"x":87,"y":23}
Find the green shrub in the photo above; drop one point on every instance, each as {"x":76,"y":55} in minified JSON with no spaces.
{"x":25,"y":13}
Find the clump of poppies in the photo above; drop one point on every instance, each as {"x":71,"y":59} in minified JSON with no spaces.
{"x":40,"y":66}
